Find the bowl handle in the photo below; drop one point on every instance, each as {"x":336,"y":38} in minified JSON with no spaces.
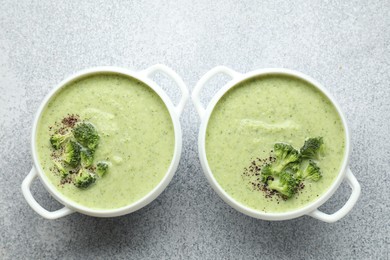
{"x":173,"y":75}
{"x":35,"y":205}
{"x":206,"y":77}
{"x":330,"y":218}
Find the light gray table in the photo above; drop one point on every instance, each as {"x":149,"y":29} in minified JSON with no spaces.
{"x":343,"y":44}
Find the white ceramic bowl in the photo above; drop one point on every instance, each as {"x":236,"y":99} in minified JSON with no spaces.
{"x":311,"y":209}
{"x":69,"y":205}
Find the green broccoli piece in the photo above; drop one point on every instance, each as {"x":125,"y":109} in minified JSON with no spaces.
{"x":101,"y":168}
{"x":285,"y":154}
{"x":84,"y":179}
{"x":72,"y":153}
{"x":87,"y":135}
{"x":63,"y":173}
{"x":58,"y":139}
{"x":311,"y":172}
{"x":285,"y":184}
{"x":266,"y":172}
{"x":278,"y":175}
{"x":86,"y":156}
{"x":312,"y":147}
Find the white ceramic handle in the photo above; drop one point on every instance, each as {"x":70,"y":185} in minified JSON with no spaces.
{"x":330,"y":218}
{"x":35,"y":205}
{"x":168,"y":71}
{"x":206,"y":77}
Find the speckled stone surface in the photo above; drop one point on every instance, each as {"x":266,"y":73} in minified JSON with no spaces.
{"x":343,"y":44}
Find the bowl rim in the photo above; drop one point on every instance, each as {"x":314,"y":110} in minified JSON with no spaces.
{"x":240,"y":78}
{"x":151,"y":195}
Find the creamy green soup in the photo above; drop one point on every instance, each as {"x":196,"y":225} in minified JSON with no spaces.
{"x":136,"y":137}
{"x":251,"y":117}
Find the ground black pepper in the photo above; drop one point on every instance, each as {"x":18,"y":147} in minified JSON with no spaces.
{"x":70,"y":120}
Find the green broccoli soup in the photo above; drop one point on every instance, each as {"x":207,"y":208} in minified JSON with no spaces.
{"x":275,"y":143}
{"x":105,"y":141}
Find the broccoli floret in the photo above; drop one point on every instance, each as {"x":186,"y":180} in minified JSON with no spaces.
{"x":285,"y":154}
{"x":312,"y":147}
{"x":86,"y":156}
{"x":266,"y":172}
{"x":72,"y":153}
{"x":87,"y":135}
{"x":101,"y":168}
{"x":278,"y":175}
{"x":58,"y":139}
{"x":311,"y":172}
{"x":61,"y":169}
{"x":84,"y":179}
{"x":285,"y":184}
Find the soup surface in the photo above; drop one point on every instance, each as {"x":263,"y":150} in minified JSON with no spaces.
{"x":136,"y":137}
{"x":254,"y":115}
